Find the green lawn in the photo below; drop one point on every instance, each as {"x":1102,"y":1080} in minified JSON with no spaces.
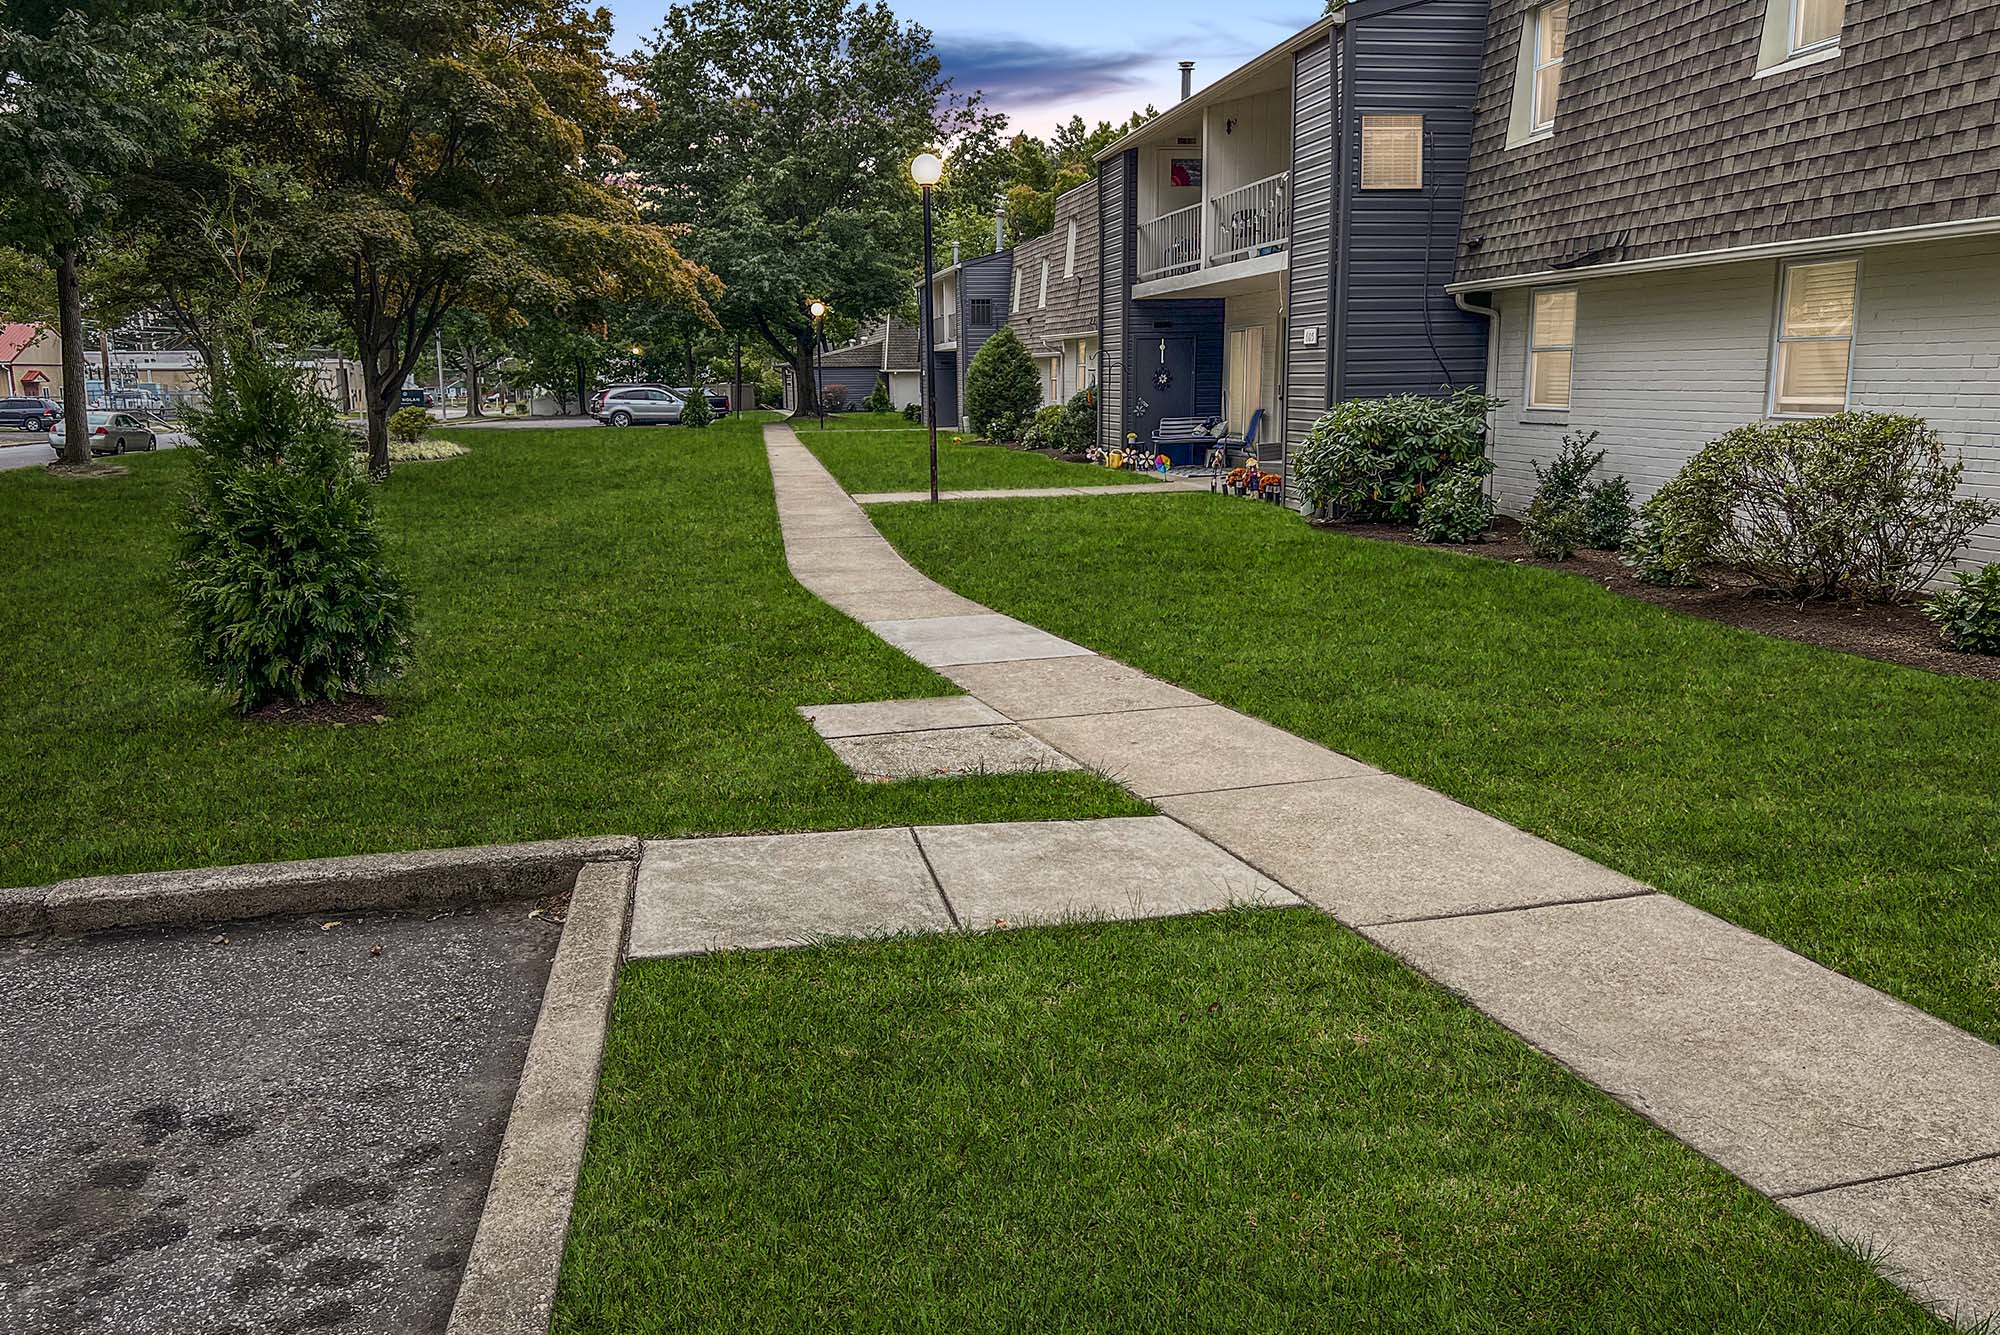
{"x":901,"y":461}
{"x":858,"y":421}
{"x":1252,"y":1122}
{"x":1842,"y":806}
{"x":609,"y":643}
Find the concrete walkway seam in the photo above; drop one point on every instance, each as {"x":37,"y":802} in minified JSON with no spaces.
{"x":372,"y":881}
{"x":509,"y":1284}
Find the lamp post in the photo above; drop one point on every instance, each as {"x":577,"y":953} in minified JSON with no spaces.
{"x":818,"y":309}
{"x":927,"y":169}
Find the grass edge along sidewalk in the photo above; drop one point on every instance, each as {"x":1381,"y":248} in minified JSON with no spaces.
{"x":609,"y":641}
{"x":1235,"y":1122}
{"x":1828,"y":802}
{"x":899,"y":460}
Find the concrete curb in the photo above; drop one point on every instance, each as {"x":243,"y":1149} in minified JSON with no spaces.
{"x":349,"y":884}
{"x":509,"y":1285}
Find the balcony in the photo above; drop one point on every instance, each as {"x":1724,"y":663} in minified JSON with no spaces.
{"x":1240,"y":224}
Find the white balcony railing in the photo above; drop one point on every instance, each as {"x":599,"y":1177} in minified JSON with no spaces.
{"x":1240,"y":224}
{"x":1170,"y":244}
{"x":1251,"y":220}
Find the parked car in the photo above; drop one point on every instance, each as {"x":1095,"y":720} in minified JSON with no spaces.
{"x":418,"y":398}
{"x":110,"y":433}
{"x":29,"y":414}
{"x":637,"y":405}
{"x":718,"y":402}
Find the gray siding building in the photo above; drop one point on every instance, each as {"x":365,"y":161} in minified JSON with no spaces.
{"x":1053,"y":298}
{"x":1282,"y":239}
{"x":1690,"y":217}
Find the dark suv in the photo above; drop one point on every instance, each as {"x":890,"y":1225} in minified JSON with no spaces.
{"x":29,"y":414}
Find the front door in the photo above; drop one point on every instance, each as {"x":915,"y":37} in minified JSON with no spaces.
{"x":1163,"y":380}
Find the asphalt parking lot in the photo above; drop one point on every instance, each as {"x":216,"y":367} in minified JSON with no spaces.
{"x":30,"y":449}
{"x":276,"y":1126}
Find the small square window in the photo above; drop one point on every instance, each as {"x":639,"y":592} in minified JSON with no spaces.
{"x":1392,"y":152}
{"x":981,"y":312}
{"x":1815,"y":339}
{"x":1551,"y":350}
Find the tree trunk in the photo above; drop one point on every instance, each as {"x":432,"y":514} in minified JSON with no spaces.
{"x":69,"y":327}
{"x":802,"y":375}
{"x":375,"y":401}
{"x":472,"y":384}
{"x":582,"y":389}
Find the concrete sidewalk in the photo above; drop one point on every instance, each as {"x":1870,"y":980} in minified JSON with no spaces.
{"x":1874,"y":1122}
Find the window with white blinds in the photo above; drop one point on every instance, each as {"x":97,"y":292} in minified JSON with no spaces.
{"x":1392,"y":152}
{"x":1043,"y":301}
{"x":1815,"y":24}
{"x":1551,"y":349}
{"x":1815,"y":338}
{"x":1069,"y":253}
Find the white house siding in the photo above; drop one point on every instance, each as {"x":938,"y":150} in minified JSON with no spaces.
{"x":905,"y":388}
{"x":1667,"y":362}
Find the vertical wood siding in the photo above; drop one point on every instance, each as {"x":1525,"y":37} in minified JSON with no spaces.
{"x":1116,"y":223}
{"x":1310,"y":278}
{"x":1402,"y":333}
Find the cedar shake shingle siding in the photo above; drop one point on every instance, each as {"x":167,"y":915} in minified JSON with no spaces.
{"x":1072,"y":308}
{"x":1667,"y":144}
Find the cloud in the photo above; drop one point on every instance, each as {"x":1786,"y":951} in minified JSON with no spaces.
{"x":1017,"y":72}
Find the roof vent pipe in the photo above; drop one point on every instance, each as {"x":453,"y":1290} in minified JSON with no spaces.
{"x":1187,"y":79}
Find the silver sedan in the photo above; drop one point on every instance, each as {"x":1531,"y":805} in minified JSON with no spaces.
{"x":111,"y":433}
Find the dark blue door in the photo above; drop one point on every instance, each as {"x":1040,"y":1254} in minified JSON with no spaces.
{"x":1164,"y":379}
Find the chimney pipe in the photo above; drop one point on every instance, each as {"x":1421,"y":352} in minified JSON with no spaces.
{"x":999,"y":224}
{"x":1187,"y":79}
{"x":954,"y":252}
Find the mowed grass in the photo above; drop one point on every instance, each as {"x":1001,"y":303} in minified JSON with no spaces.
{"x":900,"y":460}
{"x":1250,"y":1122}
{"x":608,"y":642}
{"x":1842,"y":806}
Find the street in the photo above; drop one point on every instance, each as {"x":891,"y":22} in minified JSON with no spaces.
{"x":30,"y":449}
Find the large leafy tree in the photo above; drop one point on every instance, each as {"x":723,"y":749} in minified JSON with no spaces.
{"x":90,"y":90}
{"x":780,"y":133}
{"x":452,"y":154}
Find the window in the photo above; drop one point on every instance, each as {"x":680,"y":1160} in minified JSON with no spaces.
{"x":1551,"y":350}
{"x":1244,"y":364}
{"x":1043,"y":305}
{"x":1545,"y":78}
{"x":1069,"y":253}
{"x":1015,"y":305}
{"x":1392,"y":152}
{"x":1815,"y":24}
{"x":981,"y":312}
{"x":1815,"y":338}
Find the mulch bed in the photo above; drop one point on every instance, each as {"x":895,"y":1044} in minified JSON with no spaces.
{"x":355,"y":710}
{"x":1892,"y":634}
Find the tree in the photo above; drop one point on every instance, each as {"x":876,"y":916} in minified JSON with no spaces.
{"x":472,"y":348}
{"x":1002,"y":387}
{"x":780,"y":133}
{"x":455,"y":154}
{"x":89,"y":90}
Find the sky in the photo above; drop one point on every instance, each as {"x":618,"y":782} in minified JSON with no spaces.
{"x":1047,"y":60}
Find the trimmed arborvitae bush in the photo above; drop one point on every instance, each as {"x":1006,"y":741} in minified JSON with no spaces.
{"x":1375,"y":459}
{"x":1080,"y":421}
{"x":913,"y":412}
{"x":282,"y":583}
{"x":1856,"y":505}
{"x":697,"y":411}
{"x":1456,"y":508}
{"x":1002,"y":388}
{"x":878,"y":400}
{"x":409,"y":425}
{"x":1968,"y":612}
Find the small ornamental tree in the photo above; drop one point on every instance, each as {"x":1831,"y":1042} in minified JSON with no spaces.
{"x":1002,"y":388}
{"x":697,"y":411}
{"x":282,"y":583}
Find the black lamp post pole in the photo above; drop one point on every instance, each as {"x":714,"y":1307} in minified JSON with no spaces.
{"x":930,"y":336}
{"x":819,"y":372}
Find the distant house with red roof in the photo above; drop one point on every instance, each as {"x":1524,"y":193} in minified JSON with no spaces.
{"x":30,"y":360}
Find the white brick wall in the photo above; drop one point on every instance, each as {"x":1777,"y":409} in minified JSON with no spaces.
{"x":1667,"y":362}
